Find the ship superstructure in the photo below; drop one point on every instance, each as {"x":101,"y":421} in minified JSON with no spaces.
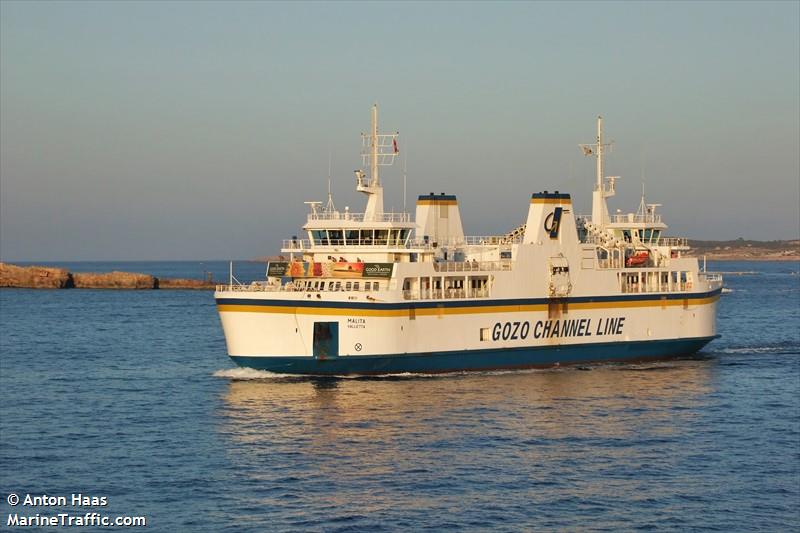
{"x":382,"y":292}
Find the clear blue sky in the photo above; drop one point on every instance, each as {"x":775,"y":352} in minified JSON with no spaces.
{"x":150,"y":130}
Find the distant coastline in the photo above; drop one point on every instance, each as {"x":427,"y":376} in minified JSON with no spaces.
{"x":46,"y":277}
{"x":746,"y":250}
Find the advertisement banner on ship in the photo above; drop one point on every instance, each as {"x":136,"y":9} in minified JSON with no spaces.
{"x":340,"y":269}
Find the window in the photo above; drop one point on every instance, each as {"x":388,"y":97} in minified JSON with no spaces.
{"x":381,"y":236}
{"x":336,"y":236}
{"x":485,"y":336}
{"x":367,"y":285}
{"x":338,"y":285}
{"x":352,"y":236}
{"x":366,"y":236}
{"x":348,"y":286}
{"x":355,"y":286}
{"x":319,"y":236}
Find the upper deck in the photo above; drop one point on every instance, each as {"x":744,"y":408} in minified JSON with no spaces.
{"x":555,"y":253}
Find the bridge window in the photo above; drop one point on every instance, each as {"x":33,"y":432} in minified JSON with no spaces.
{"x":320,"y":236}
{"x":352,"y":236}
{"x":381,"y":236}
{"x":336,"y":236}
{"x":366,"y":236}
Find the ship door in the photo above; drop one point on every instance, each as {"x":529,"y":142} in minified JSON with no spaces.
{"x":326,"y":340}
{"x":559,"y":281}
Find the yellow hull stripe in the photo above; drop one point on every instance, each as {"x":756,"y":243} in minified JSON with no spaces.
{"x":470,"y":310}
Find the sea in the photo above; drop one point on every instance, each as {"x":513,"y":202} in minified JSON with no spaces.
{"x":130,"y":396}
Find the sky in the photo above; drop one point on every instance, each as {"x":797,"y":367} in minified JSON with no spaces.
{"x":157,"y":130}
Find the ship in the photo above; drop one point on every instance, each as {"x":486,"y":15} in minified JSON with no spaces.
{"x":381,"y":292}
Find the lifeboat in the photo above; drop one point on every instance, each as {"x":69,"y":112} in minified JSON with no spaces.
{"x":637,"y":259}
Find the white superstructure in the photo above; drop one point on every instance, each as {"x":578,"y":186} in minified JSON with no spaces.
{"x":379,"y":292}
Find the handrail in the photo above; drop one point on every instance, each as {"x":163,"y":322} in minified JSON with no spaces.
{"x":359,"y":217}
{"x":471,"y":266}
{"x":443,"y":294}
{"x":425,"y":244}
{"x":635,"y":219}
{"x":673,"y":241}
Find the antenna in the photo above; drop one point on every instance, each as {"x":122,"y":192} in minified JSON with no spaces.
{"x":329,"y":207}
{"x":644,"y":162}
{"x":405,"y":162}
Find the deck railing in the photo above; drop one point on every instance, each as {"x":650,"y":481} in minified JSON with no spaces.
{"x":636,"y":219}
{"x":472,"y":266}
{"x":673,"y":241}
{"x":423,"y":244}
{"x":359,"y":217}
{"x":443,"y":294}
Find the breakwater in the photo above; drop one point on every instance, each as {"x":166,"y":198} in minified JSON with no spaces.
{"x":41,"y":277}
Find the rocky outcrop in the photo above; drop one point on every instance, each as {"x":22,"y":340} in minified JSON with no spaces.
{"x":183,"y":283}
{"x":34,"y":277}
{"x":113,"y":280}
{"x":38,"y":277}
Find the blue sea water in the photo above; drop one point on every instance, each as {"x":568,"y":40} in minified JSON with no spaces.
{"x":130,"y":395}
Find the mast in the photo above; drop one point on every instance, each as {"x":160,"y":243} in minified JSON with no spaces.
{"x":602,"y":191}
{"x":329,"y":207}
{"x":376,"y":182}
{"x":599,"y":186}
{"x":379,"y":150}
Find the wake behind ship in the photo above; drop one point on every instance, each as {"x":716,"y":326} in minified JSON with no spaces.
{"x":379,"y":292}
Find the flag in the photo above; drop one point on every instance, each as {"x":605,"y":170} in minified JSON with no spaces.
{"x":394,"y":145}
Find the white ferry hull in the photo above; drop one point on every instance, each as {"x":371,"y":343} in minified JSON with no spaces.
{"x":446,"y":336}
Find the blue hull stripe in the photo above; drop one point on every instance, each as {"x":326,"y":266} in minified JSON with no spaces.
{"x":455,"y":361}
{"x":654,"y":297}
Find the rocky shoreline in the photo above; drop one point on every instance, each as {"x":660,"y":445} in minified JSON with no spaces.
{"x":40,"y":277}
{"x":746,"y":250}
